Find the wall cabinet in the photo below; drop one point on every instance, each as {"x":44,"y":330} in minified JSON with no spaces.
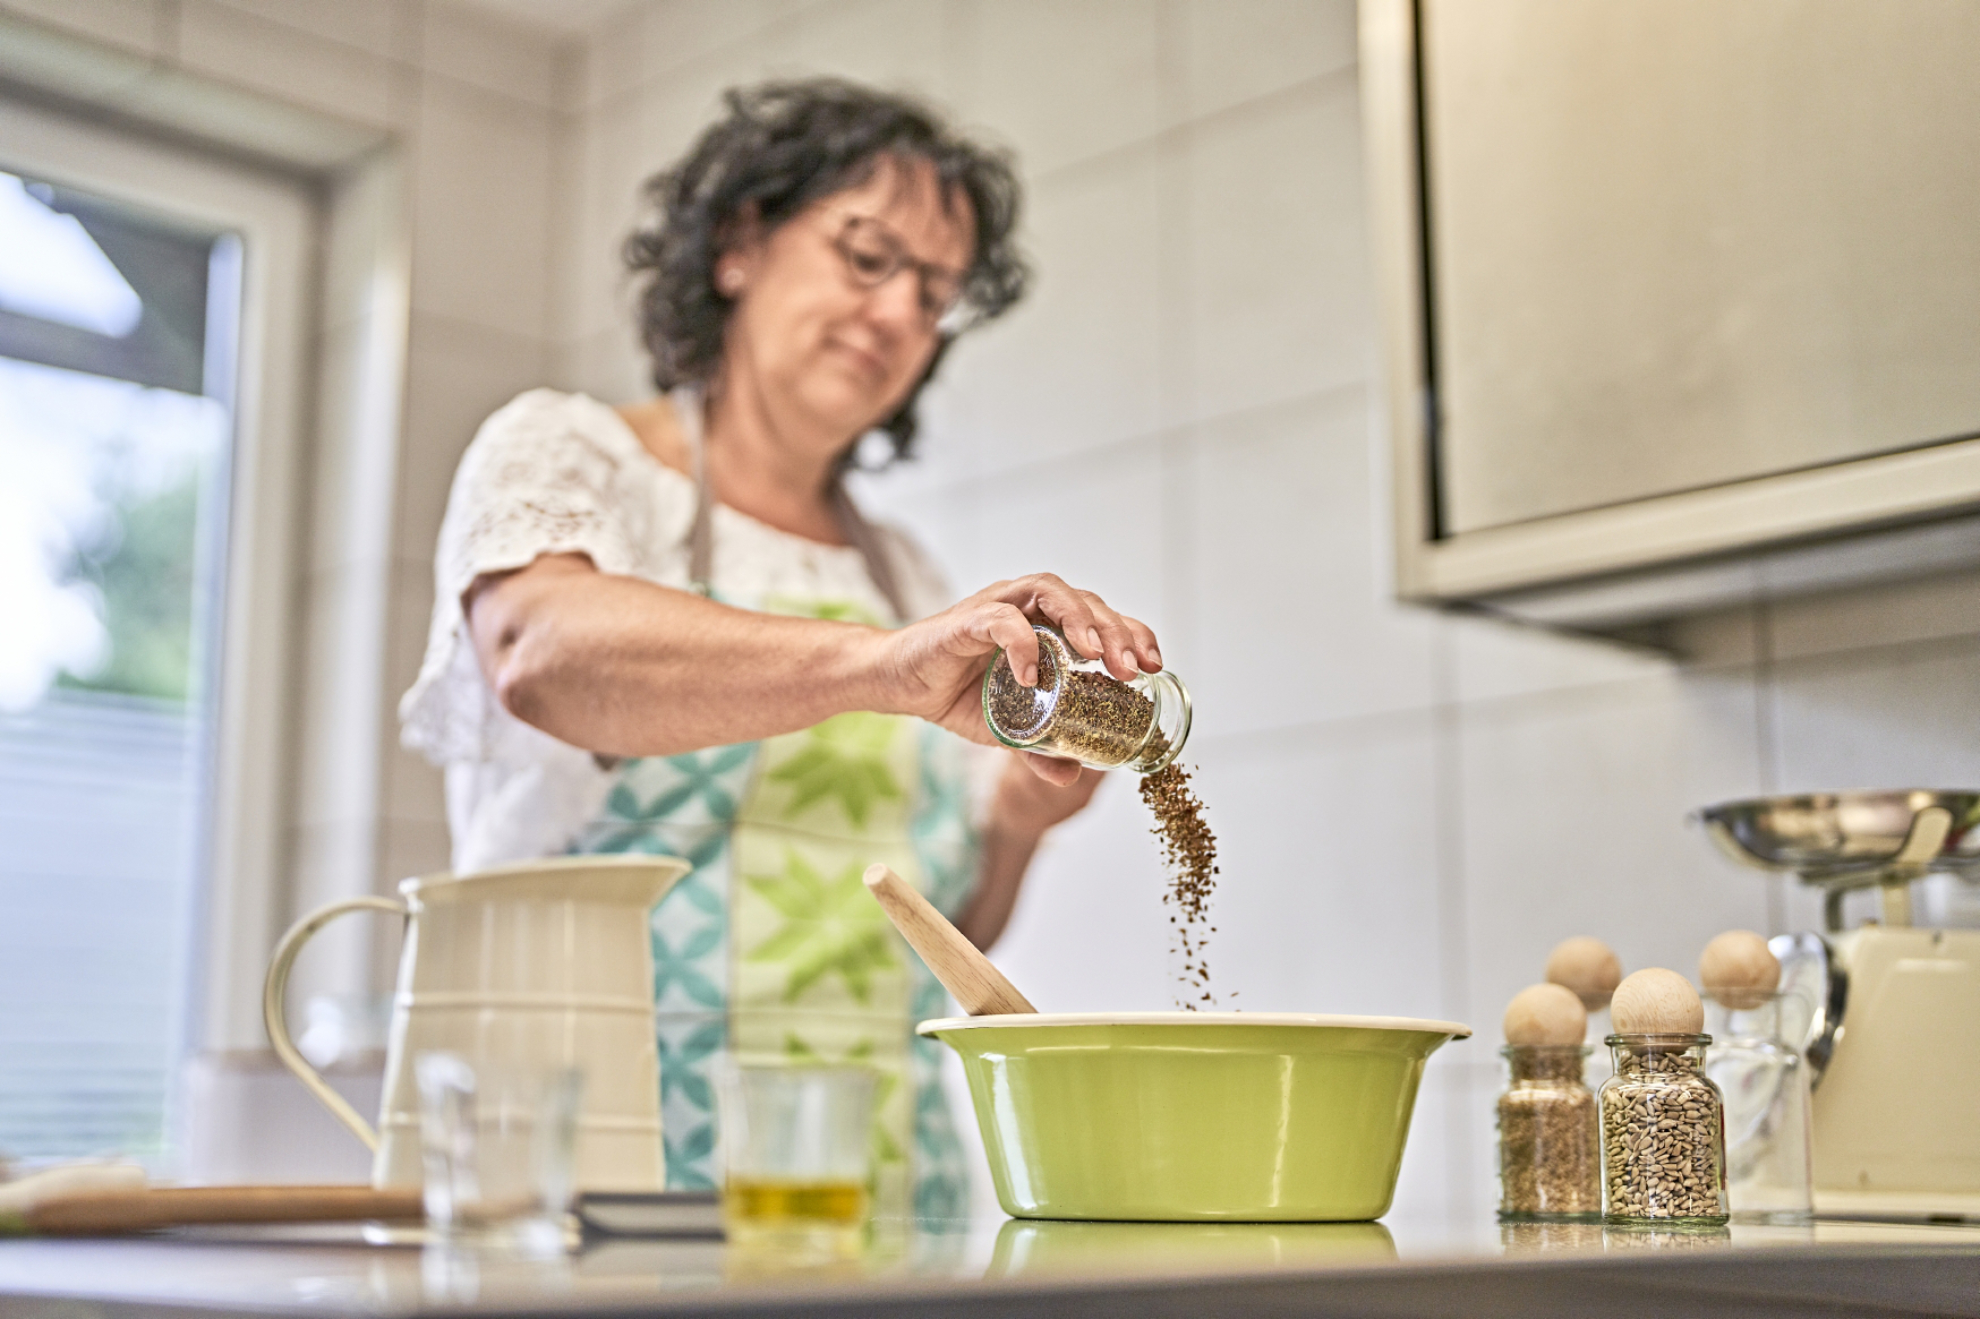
{"x":1681,"y":299}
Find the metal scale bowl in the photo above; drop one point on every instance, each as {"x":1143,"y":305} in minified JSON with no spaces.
{"x":1839,"y":841}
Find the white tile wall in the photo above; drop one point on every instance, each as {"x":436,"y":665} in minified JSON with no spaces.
{"x":465,"y":43}
{"x":1288,"y":624}
{"x":1573,"y":811}
{"x":382,"y":27}
{"x":238,"y":46}
{"x":459,"y":373}
{"x":481,"y":207}
{"x":133,"y":25}
{"x":1242,"y":49}
{"x":1087,"y":342}
{"x":891,"y":43}
{"x":1898,"y":716}
{"x":1065,"y":80}
{"x":1278,"y":284}
{"x":1328,"y":898}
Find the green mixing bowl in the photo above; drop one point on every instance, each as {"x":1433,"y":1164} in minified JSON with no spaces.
{"x":1173,"y":1116}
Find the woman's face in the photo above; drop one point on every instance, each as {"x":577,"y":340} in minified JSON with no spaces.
{"x":828,"y":352}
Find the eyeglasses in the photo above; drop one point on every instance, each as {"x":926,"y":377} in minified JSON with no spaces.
{"x":874,"y":254}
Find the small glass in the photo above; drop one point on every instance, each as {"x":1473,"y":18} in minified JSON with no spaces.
{"x":1550,"y":1164}
{"x":796,"y":1154}
{"x":1769,"y":1123}
{"x":1081,"y":712}
{"x":497,"y":1147}
{"x":1663,"y":1134}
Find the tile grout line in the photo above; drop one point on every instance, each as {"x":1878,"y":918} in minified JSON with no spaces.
{"x":1767,"y":742}
{"x":1176,"y":369}
{"x":1453,"y":921}
{"x":1175,"y":133}
{"x":1180,"y":429}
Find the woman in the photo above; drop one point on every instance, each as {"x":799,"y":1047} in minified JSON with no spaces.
{"x":665,"y":627}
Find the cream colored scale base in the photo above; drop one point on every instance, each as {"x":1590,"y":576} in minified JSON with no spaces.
{"x":1897,"y":1113}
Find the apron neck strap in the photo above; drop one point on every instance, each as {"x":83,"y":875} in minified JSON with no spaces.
{"x":859,"y":533}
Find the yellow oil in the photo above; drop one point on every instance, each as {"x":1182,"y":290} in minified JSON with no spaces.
{"x":764,"y":1203}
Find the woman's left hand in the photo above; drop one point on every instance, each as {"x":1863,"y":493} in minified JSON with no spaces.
{"x":1028,"y":804}
{"x":1024,"y":807}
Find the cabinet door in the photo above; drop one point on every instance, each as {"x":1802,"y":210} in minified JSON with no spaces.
{"x":1678,"y":244}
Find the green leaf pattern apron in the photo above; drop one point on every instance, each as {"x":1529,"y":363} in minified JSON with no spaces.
{"x":771,"y":948}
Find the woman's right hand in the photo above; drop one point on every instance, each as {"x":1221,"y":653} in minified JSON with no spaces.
{"x":934,"y":668}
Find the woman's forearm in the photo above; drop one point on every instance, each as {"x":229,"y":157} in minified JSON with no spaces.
{"x":1005,"y":855}
{"x":626,"y":667}
{"x":1023,"y":809}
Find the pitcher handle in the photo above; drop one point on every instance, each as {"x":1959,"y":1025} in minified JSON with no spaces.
{"x":276,"y":987}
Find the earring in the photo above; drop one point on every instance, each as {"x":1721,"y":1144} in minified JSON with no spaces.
{"x":730,"y":279}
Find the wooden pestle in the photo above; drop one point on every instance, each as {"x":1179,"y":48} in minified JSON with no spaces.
{"x":111,"y":1212}
{"x":964,"y":971}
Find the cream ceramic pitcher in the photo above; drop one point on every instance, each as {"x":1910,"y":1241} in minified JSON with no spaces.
{"x":541,"y":964}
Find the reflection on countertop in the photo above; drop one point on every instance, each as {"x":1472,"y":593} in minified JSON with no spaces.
{"x":921,"y":1263}
{"x":1037,"y":1247}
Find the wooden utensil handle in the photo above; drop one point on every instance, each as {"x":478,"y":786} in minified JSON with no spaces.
{"x":965,"y":972}
{"x":176,"y":1206}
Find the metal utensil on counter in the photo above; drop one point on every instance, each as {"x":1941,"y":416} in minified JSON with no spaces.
{"x":1841,"y":841}
{"x":978,"y":986}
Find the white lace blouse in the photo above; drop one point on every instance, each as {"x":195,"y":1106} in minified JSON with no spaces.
{"x":555,"y":473}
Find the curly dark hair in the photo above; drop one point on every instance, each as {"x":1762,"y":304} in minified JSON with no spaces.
{"x":782,"y":146}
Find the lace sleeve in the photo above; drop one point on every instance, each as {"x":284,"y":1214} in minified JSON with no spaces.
{"x":542,"y":476}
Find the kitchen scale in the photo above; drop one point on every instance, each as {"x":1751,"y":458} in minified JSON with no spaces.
{"x":1891,"y":1012}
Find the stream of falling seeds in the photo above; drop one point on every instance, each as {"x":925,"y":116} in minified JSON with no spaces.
{"x":1189,"y":850}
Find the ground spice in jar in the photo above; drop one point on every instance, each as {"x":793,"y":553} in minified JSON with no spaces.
{"x":1092,"y":717}
{"x":1663,"y":1133}
{"x":1549,"y":1160}
{"x":1189,"y":850}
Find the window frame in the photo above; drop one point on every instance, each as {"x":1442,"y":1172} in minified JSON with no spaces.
{"x":248,"y":790}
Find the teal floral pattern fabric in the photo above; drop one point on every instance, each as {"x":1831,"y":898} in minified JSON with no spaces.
{"x":945,"y":842}
{"x":684,"y":806}
{"x":687,"y":806}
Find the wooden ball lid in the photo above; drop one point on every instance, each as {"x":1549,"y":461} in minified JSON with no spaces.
{"x":1587,"y":966}
{"x":1657,"y":1002}
{"x":1545,"y":1014}
{"x":1739,"y":970}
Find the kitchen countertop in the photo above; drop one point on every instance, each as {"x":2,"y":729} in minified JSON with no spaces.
{"x":1400,"y":1266}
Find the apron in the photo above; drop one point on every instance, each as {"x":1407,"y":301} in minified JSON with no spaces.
{"x":771,"y":949}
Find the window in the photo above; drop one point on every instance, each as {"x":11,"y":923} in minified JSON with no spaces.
{"x":116,"y":350}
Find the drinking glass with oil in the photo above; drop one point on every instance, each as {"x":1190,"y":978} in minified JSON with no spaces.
{"x":796,"y":1154}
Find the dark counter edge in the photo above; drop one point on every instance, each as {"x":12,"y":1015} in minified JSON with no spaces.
{"x":1770,"y":1282}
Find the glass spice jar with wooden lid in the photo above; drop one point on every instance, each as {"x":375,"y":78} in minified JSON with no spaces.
{"x":1549,"y":1161}
{"x":1079,"y":711}
{"x":1549,"y":1158}
{"x":1663,"y":1121}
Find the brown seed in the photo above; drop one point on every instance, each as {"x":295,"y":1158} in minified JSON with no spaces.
{"x":1189,"y":850}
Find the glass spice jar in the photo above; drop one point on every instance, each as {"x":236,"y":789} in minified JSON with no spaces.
{"x":1765,"y":1082}
{"x":1663,"y":1134}
{"x":1081,"y":712}
{"x":1550,"y":1166}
